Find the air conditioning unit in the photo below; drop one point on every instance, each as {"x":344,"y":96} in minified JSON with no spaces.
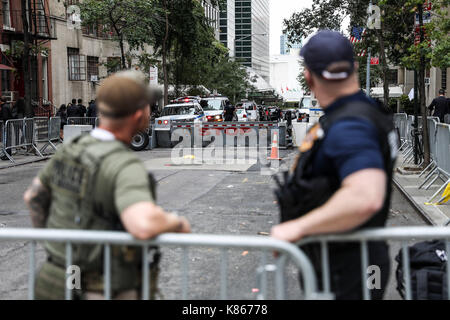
{"x":94,"y":78}
{"x":427,"y":81}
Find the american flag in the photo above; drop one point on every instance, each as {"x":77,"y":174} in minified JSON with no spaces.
{"x":357,"y":36}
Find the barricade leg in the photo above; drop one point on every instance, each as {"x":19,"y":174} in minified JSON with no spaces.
{"x":426,"y":169}
{"x":439,"y":191}
{"x":434,"y":180}
{"x":428,"y":177}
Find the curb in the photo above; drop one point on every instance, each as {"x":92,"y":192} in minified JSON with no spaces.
{"x":425,"y":217}
{"x":24,"y":163}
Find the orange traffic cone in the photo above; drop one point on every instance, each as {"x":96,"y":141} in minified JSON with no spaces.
{"x":274,"y":155}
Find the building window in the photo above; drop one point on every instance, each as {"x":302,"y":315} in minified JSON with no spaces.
{"x":92,"y":67}
{"x":444,"y":79}
{"x":77,"y":65}
{"x":6,"y":13}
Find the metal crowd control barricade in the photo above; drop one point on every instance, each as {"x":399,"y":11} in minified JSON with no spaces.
{"x":183,"y":241}
{"x":40,"y":130}
{"x":409,"y":142}
{"x":1,"y":138}
{"x":401,"y":234}
{"x":442,"y":157}
{"x":19,"y":134}
{"x":53,"y":135}
{"x":400,"y":122}
{"x":432,"y":131}
{"x":82,"y":121}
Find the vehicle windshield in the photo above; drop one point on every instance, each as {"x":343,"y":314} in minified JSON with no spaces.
{"x":240,"y":111}
{"x":213,"y":105}
{"x":249,"y":106}
{"x":178,"y":110}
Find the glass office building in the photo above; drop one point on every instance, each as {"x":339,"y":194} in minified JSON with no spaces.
{"x":227,"y":26}
{"x":286,"y":46}
{"x":252,"y":20}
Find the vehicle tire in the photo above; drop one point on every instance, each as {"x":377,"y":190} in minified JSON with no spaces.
{"x":140,"y":141}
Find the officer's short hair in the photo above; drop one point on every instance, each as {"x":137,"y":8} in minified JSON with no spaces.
{"x":80,"y":100}
{"x":442,"y":91}
{"x":122,"y":94}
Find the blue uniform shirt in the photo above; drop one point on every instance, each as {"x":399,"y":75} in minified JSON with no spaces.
{"x":351,"y":145}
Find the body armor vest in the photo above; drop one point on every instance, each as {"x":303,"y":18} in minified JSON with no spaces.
{"x":73,"y":183}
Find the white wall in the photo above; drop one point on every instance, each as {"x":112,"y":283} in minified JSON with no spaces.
{"x":284,"y":70}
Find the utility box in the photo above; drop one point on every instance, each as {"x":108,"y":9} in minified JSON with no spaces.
{"x":72,"y":131}
{"x":299,"y":130}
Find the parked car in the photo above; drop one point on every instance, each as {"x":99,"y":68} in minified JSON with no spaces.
{"x":182,"y":112}
{"x":251,"y":108}
{"x":242,"y":115}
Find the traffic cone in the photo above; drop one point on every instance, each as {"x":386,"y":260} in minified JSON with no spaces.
{"x":274,"y":155}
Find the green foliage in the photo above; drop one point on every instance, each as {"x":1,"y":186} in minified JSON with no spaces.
{"x":194,"y":57}
{"x":406,"y":105}
{"x":132,"y":21}
{"x":16,"y":52}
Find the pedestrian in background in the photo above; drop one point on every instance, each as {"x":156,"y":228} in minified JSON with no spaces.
{"x":62,"y":113}
{"x":95,"y":182}
{"x":72,"y":110}
{"x":6,"y":114}
{"x":342,"y":179}
{"x":92,"y":109}
{"x":20,"y":107}
{"x":440,"y":106}
{"x":230,"y":112}
{"x":81,"y":109}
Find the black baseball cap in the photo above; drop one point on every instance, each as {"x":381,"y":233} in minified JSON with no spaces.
{"x":329,"y":54}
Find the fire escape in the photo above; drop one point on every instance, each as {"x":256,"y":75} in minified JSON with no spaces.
{"x":41,"y":29}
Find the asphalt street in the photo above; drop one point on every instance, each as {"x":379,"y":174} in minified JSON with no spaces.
{"x":215,"y":198}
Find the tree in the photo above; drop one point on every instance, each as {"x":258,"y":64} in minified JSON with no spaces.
{"x":388,"y":42}
{"x":128,"y":20}
{"x":432,"y":50}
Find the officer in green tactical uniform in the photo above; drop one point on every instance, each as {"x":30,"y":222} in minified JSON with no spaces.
{"x":96,"y":183}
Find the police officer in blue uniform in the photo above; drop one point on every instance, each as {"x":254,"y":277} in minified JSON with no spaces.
{"x":341,"y":180}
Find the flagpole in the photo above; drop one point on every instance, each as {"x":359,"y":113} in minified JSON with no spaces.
{"x":368,"y":64}
{"x":368,"y":72}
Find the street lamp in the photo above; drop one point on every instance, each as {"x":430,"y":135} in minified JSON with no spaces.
{"x":243,"y":38}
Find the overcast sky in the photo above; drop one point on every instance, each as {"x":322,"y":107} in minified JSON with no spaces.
{"x":279,"y":10}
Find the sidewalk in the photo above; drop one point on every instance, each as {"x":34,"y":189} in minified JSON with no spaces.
{"x":409,"y":184}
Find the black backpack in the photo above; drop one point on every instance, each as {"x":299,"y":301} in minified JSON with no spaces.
{"x":428,"y":267}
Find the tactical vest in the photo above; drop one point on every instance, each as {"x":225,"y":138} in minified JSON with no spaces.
{"x":302,"y":191}
{"x":76,"y":167}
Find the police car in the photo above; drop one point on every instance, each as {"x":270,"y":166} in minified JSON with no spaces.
{"x":179,"y":112}
{"x":214,"y":108}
